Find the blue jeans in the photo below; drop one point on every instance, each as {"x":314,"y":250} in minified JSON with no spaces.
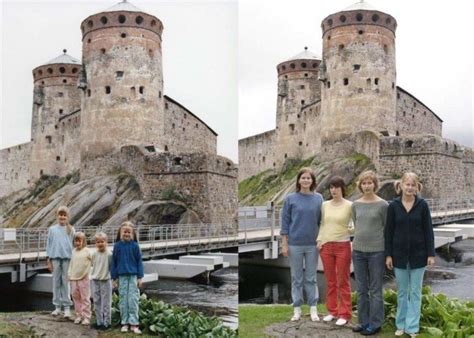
{"x":307,"y":255}
{"x":61,"y":290}
{"x":129,"y":297}
{"x":369,"y":268}
{"x":409,"y":283}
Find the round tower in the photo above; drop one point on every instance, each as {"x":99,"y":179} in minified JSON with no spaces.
{"x":359,"y":80}
{"x":298,"y":87}
{"x":122,"y":82}
{"x":55,"y":95}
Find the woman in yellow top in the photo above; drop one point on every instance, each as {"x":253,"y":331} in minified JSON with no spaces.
{"x":335,"y":249}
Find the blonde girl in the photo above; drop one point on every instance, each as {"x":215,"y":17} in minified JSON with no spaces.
{"x":79,"y":277}
{"x":127,"y":269}
{"x":409,"y":248}
{"x":59,"y":251}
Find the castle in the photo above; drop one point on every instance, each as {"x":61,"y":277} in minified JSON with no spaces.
{"x":348,"y":102}
{"x":109,"y":112}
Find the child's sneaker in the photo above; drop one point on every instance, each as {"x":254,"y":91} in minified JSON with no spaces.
{"x":329,"y":318}
{"x":56,"y":312}
{"x":77,"y":320}
{"x":136,"y":329}
{"x":86,"y":322}
{"x":67,"y":313}
{"x":296,"y":314}
{"x":313,"y":311}
{"x":124,"y":328}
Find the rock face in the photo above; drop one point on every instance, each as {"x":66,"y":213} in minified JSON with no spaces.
{"x":99,"y":201}
{"x":307,"y":328}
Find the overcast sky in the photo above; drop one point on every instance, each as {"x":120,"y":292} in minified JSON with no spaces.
{"x":434,"y":53}
{"x":199,"y":58}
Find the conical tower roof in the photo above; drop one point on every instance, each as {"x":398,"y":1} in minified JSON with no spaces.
{"x":63,"y":58}
{"x":361,"y":5}
{"x":305,"y":55}
{"x":124,"y":6}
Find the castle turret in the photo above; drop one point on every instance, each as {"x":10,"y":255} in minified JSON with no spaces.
{"x":298,"y":87}
{"x":122,"y":82}
{"x":359,"y":85}
{"x":55,"y":95}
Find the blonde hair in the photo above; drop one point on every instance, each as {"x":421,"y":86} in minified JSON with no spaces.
{"x":367,"y":175}
{"x":406,"y":176}
{"x":83,"y":238}
{"x":126,"y":224}
{"x":101,"y":235}
{"x":65,"y":210}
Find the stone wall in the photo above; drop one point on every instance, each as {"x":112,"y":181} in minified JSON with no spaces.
{"x":69,"y":134}
{"x":413,"y":117}
{"x":438,"y":162}
{"x":256,"y":154}
{"x":15,"y":168}
{"x":185,"y":132}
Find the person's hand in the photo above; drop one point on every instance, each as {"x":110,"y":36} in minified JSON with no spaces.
{"x":431,"y":261}
{"x":284,"y":250}
{"x":389,"y":262}
{"x":139,"y":283}
{"x":115,"y":284}
{"x":50,"y":266}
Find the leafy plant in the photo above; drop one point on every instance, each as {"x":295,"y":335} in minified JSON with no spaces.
{"x":440,"y":315}
{"x":161,"y":319}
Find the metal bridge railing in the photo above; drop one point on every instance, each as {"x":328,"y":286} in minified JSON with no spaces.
{"x":34,"y":240}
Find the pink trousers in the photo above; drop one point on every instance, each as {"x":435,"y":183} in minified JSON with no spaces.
{"x":81,"y":296}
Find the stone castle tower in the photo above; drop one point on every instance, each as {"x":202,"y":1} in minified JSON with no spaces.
{"x":298,"y":87}
{"x":359,"y":72}
{"x":122,"y":83}
{"x":55,"y":96}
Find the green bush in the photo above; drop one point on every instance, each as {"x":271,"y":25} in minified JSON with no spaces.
{"x":161,"y":319}
{"x":440,"y":315}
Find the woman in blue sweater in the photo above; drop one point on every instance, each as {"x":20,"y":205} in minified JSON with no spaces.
{"x":300,"y":220}
{"x":127,"y":267}
{"x":409,"y":248}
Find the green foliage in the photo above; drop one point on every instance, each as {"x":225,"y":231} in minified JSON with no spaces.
{"x":440,"y":315}
{"x":171,"y":194}
{"x":161,"y":319}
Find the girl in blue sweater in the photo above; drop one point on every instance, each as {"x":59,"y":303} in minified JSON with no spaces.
{"x":127,"y":267}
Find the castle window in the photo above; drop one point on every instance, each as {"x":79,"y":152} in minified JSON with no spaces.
{"x":369,"y":82}
{"x":166,"y":105}
{"x":302,"y":87}
{"x":184,"y":129}
{"x":302,"y":101}
{"x":274,"y":164}
{"x":330,"y":22}
{"x":172,"y":126}
{"x":376,"y":81}
{"x":40,"y":72}
{"x":388,"y":21}
{"x":132,"y":89}
{"x":359,"y":17}
{"x":409,"y":144}
{"x":64,"y":81}
{"x":88,"y":92}
{"x":103,"y":20}
{"x":166,"y":148}
{"x":60,"y":94}
{"x":342,"y":18}
{"x":74,"y":70}
{"x":393,"y":85}
{"x":303,"y":65}
{"x":90,"y":23}
{"x":385,"y":49}
{"x":446,"y":145}
{"x":102,"y":50}
{"x":41,"y":172}
{"x":315,"y":65}
{"x":153,"y":23}
{"x":151,"y":148}
{"x":123,"y":35}
{"x":286,"y":76}
{"x":197,"y":125}
{"x":375,"y":17}
{"x":424,"y":113}
{"x":398,"y":95}
{"x":119,"y":75}
{"x":292,"y":127}
{"x":263,"y":160}
{"x":329,"y":37}
{"x":413,"y":116}
{"x":356,"y":67}
{"x":404,"y":114}
{"x":286,"y":155}
{"x":122,"y":18}
{"x":58,"y":158}
{"x":346,"y":81}
{"x":177,"y":161}
{"x":139,"y":20}
{"x":329,"y":84}
{"x":360,"y":90}
{"x":414,"y":104}
{"x":292,"y":66}
{"x":88,"y":40}
{"x":305,"y":74}
{"x":298,"y":116}
{"x":62,"y":70}
{"x":184,"y":115}
{"x":62,"y":139}
{"x":107,"y":89}
{"x":341,"y":46}
{"x":159,"y":94}
{"x":42,"y":82}
{"x":150,"y":52}
{"x":60,"y":111}
{"x":141,"y":89}
{"x":397,"y":133}
{"x":49,"y":139}
{"x":283,"y":67}
{"x":361,"y":32}
{"x":50,"y":70}
{"x":300,"y":143}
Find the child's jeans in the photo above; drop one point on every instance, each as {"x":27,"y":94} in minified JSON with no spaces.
{"x":81,"y":295}
{"x":61,"y":291}
{"x":128,"y":301}
{"x":102,"y":295}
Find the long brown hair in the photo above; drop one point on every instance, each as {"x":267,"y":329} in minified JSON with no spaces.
{"x":304,"y":171}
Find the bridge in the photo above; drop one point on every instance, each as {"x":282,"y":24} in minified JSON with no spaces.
{"x":23,"y":251}
{"x":259,"y":226}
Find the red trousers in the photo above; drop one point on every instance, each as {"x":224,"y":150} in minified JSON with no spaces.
{"x":336,"y":258}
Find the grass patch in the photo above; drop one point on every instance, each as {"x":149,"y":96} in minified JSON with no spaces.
{"x":9,"y":329}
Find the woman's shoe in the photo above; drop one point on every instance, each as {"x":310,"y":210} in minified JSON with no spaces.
{"x":313,"y":311}
{"x":341,"y":322}
{"x":359,"y":328}
{"x":413,"y":334}
{"x":328,"y":318}
{"x":135,"y":329}
{"x":56,"y":312}
{"x":78,"y":320}
{"x":399,"y":333}
{"x":296,"y":314}
{"x":124,"y":328}
{"x":67,"y":313}
{"x":86,"y":322}
{"x":369,"y":331}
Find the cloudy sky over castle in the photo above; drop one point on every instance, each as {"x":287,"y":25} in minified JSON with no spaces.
{"x":199,"y":58}
{"x":433,"y":51}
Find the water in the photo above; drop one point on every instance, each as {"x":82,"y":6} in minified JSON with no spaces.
{"x":218,"y":298}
